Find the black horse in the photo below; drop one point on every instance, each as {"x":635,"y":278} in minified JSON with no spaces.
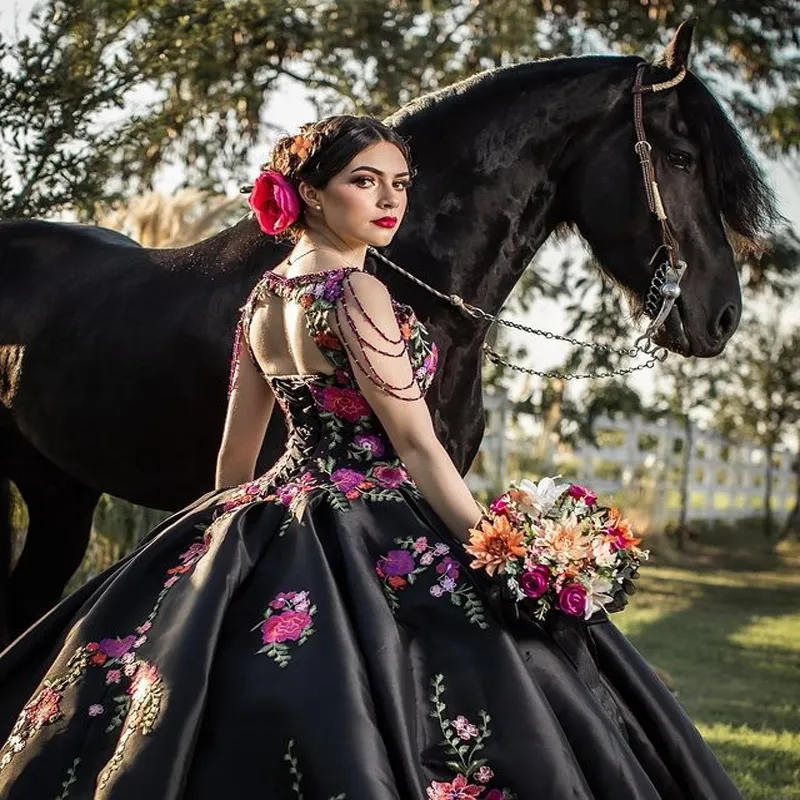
{"x":114,"y":358}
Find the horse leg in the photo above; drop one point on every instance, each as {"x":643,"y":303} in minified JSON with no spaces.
{"x":60,"y":511}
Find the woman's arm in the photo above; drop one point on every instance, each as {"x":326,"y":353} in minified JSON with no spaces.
{"x":406,"y":421}
{"x":250,"y":407}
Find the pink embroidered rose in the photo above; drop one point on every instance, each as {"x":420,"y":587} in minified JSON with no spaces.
{"x":346,"y":480}
{"x":572,"y":599}
{"x":420,"y":544}
{"x":484,"y":774}
{"x":274,"y":201}
{"x":459,"y":789}
{"x":348,"y":404}
{"x":397,"y":562}
{"x":582,"y":493}
{"x":288,"y":626}
{"x":369,"y":442}
{"x":145,"y":678}
{"x":44,"y":708}
{"x":390,"y":477}
{"x":535,"y":582}
{"x":113,"y":676}
{"x":464,"y":728}
{"x":116,"y":648}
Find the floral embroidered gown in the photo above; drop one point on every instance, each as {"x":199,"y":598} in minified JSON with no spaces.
{"x":317,"y":633}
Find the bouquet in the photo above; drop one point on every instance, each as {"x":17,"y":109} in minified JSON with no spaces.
{"x":554,"y":547}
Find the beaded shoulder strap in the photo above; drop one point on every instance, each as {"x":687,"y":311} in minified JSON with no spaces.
{"x":345,"y":311}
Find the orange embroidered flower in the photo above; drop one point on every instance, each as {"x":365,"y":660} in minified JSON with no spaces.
{"x":494,"y":544}
{"x":301,"y":146}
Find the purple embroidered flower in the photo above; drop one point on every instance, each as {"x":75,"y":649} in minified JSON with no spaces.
{"x":369,"y":442}
{"x":431,"y":360}
{"x":252,"y":488}
{"x":441,"y":549}
{"x":494,"y":794}
{"x":197,"y":549}
{"x":448,"y":584}
{"x":116,"y":648}
{"x":278,"y":602}
{"x":288,"y":626}
{"x":427,"y":558}
{"x":535,"y":582}
{"x":449,"y":567}
{"x":484,"y":774}
{"x":346,"y":480}
{"x":95,"y":710}
{"x":287,"y":493}
{"x":390,"y":477}
{"x":113,"y":676}
{"x":436,"y":590}
{"x":398,"y":562}
{"x":464,"y":728}
{"x":333,"y":289}
{"x":420,"y":544}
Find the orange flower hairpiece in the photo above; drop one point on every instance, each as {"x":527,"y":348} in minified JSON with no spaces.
{"x":301,"y":146}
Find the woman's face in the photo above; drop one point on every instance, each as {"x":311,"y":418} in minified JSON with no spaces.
{"x":365,"y":203}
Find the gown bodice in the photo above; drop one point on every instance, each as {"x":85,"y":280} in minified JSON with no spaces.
{"x":336,"y":446}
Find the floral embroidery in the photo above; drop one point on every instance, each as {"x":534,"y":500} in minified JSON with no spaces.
{"x":135,"y":709}
{"x":297,"y":776}
{"x":287,"y":623}
{"x":463,"y":742}
{"x":401,"y":567}
{"x":337,"y":447}
{"x":70,"y":779}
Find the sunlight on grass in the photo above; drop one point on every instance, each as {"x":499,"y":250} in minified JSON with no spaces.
{"x":727,"y":637}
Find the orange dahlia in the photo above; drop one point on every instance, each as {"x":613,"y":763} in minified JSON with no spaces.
{"x":494,"y":544}
{"x":619,"y":532}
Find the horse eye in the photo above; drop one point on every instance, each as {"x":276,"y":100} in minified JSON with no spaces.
{"x":679,"y":159}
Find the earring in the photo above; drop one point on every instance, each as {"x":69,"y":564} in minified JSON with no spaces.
{"x":318,"y":208}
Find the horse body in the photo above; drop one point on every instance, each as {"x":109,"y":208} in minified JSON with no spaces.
{"x":114,"y":359}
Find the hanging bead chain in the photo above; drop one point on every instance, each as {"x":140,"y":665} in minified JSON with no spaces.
{"x":370,"y":370}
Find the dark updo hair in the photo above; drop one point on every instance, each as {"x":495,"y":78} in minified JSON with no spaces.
{"x":332,"y":143}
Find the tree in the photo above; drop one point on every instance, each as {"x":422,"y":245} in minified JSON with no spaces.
{"x":79,"y":125}
{"x":761,"y":399}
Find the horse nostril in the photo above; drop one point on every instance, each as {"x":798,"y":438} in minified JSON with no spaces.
{"x":726,"y":322}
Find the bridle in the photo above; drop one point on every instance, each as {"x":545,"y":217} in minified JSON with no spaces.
{"x":664,"y":288}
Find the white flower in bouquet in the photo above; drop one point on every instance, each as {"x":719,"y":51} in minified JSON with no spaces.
{"x":538,"y":498}
{"x":597,"y":595}
{"x":604,"y":555}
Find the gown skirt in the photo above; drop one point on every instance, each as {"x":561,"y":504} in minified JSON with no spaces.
{"x":345,"y":653}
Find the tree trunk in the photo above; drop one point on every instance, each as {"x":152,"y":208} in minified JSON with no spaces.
{"x":793,"y":519}
{"x":682,"y":534}
{"x":768,"y":491}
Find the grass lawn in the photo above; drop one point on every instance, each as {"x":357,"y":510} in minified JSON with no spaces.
{"x":723,"y":623}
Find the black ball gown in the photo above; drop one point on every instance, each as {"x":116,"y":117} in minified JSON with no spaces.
{"x":317,"y":633}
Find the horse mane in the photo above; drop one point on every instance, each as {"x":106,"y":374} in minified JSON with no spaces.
{"x":737,"y":183}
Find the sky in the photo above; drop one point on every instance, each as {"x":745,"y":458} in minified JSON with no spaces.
{"x":289,"y":107}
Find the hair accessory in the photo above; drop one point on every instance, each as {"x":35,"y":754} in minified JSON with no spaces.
{"x":301,"y":146}
{"x":274,"y":201}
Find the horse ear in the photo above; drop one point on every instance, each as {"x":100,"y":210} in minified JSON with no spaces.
{"x":676,"y":53}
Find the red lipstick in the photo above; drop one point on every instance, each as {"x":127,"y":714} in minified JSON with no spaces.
{"x":385,"y":222}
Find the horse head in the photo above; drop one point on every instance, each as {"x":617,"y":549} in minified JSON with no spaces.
{"x":710,"y":188}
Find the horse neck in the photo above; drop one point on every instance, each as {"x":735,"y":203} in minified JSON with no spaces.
{"x":487,"y":207}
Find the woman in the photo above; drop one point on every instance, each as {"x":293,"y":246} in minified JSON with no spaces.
{"x":317,"y":631}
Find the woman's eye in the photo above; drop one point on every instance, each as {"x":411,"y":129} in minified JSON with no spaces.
{"x":363,"y":180}
{"x":403,"y":185}
{"x":679,"y":159}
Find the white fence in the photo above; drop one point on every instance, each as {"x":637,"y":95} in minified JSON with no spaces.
{"x":641,"y":457}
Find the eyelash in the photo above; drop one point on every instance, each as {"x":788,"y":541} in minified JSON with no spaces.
{"x":357,"y":181}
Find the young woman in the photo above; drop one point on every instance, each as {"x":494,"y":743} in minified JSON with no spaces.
{"x":316,"y":631}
